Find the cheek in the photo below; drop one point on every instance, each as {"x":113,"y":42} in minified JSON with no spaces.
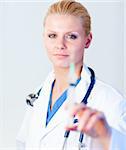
{"x":79,"y":53}
{"x":79,"y":49}
{"x":48,"y":46}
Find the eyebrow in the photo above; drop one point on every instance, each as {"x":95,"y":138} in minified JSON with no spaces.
{"x":65,"y":33}
{"x":51,"y":31}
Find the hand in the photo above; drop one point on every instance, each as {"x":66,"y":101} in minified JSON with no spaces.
{"x":92,"y":123}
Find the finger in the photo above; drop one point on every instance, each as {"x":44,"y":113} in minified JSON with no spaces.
{"x":76,"y":109}
{"x":72,"y":127}
{"x":84,"y":119}
{"x":96,"y":125}
{"x":96,"y":119}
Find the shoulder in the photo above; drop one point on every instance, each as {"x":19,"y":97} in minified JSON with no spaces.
{"x":31,"y":99}
{"x":107,"y":96}
{"x":103,"y":89}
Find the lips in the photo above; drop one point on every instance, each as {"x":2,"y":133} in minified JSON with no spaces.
{"x":61,"y":55}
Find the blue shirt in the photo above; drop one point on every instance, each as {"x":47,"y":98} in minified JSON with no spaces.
{"x":58,"y":103}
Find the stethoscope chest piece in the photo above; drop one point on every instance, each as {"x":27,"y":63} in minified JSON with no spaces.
{"x":82,"y":146}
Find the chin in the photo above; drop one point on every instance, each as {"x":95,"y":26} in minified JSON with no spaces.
{"x":61,"y":65}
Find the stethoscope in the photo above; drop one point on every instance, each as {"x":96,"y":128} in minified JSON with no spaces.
{"x":85,"y":101}
{"x":32,"y":97}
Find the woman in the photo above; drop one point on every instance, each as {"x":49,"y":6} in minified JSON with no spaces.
{"x":100,"y":118}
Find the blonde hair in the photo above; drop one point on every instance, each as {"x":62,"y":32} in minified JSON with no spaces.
{"x":74,"y":8}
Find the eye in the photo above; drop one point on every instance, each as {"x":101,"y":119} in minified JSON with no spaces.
{"x":52,"y":36}
{"x":72,"y":36}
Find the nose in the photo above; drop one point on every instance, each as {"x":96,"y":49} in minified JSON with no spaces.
{"x":60,"y":43}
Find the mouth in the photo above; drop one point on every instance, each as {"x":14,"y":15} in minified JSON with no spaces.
{"x":61,"y":55}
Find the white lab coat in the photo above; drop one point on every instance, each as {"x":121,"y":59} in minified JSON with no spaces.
{"x":34,"y":135}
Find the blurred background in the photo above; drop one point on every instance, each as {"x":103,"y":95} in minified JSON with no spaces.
{"x":24,"y":64}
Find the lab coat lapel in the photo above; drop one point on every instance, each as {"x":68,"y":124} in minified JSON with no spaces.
{"x":44,"y":99}
{"x":83,"y":85}
{"x":38,"y":120}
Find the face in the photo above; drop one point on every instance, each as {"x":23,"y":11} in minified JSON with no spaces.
{"x":64,"y":39}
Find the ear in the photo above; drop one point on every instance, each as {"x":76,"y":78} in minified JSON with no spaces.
{"x":88,"y":40}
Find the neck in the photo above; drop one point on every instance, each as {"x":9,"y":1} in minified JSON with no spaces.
{"x":61,"y":75}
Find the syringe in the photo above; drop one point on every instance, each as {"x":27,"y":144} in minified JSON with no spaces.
{"x":71,"y":95}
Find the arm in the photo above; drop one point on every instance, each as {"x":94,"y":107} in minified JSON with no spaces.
{"x":94,"y":124}
{"x":23,"y":132}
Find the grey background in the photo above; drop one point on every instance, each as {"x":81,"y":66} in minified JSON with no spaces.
{"x":24,"y":64}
